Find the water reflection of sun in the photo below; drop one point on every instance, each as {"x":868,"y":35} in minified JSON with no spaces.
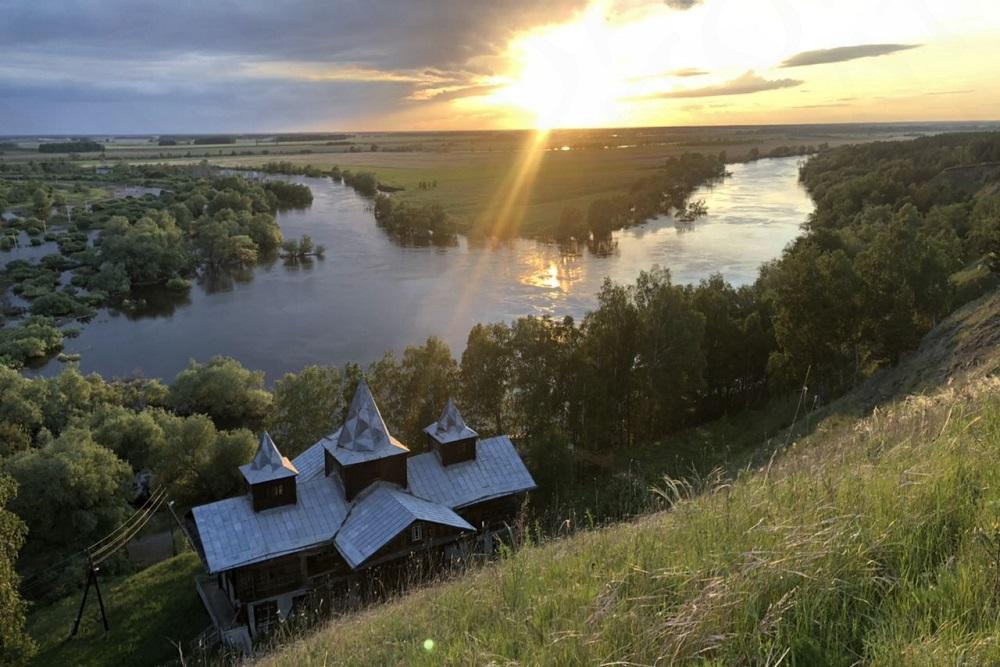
{"x":553,"y":274}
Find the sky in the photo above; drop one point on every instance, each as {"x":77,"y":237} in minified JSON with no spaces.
{"x":193,"y":66}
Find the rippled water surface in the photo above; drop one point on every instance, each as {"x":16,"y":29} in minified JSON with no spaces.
{"x":369,"y":295}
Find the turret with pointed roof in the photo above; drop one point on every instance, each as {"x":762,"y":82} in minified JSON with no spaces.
{"x":270,"y":476}
{"x":363,"y":451}
{"x":450,"y":437}
{"x":363,"y":430}
{"x":450,"y":426}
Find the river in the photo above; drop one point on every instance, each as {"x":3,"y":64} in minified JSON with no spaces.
{"x":370,"y":295}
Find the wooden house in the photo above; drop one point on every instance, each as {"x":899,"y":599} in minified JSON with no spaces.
{"x":355,"y":501}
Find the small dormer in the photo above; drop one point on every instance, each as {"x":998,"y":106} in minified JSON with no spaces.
{"x":270,"y":477}
{"x":363,"y":452}
{"x":450,"y":438}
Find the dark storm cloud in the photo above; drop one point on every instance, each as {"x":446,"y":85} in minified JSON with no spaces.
{"x":409,"y":34}
{"x":844,"y":53}
{"x":747,"y":83}
{"x":152,"y":65}
{"x":268,"y":105}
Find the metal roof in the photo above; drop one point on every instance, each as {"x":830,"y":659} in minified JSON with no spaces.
{"x":450,"y":426}
{"x":268,"y":464}
{"x":311,"y":462}
{"x":381,"y":513}
{"x":496,"y":471}
{"x":232,"y":534}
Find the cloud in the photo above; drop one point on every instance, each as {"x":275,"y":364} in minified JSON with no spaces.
{"x":687,"y":71}
{"x":375,"y":33}
{"x":447,"y":93}
{"x":747,"y":83}
{"x":844,"y":53}
{"x":827,"y":105}
{"x":147,"y":58}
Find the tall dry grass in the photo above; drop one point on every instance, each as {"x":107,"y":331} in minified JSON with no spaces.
{"x":869,"y":542}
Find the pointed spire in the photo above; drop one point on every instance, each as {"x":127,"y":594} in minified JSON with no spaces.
{"x":363,"y":430}
{"x":450,"y":426}
{"x":268,"y":464}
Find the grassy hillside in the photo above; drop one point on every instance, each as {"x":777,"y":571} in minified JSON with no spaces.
{"x":147,"y":611}
{"x":869,"y":540}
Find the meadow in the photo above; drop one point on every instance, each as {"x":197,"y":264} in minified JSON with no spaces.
{"x":148,"y":612}
{"x":473,"y":174}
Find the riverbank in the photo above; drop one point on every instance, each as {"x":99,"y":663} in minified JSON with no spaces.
{"x":369,"y":294}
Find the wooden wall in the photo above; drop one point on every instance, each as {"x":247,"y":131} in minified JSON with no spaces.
{"x":272,"y":577}
{"x":493,"y":513}
{"x":273,"y":494}
{"x":453,"y":452}
{"x":359,"y":476}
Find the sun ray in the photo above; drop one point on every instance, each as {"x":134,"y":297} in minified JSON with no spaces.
{"x":505,"y":212}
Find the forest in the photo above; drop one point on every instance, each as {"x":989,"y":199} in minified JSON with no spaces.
{"x":891,"y":248}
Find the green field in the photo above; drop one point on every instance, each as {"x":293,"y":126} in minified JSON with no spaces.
{"x":869,"y":541}
{"x":148,"y":611}
{"x":475,"y":172}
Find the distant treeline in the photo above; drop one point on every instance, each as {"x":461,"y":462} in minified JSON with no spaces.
{"x":312,"y":137}
{"x":219,"y":139}
{"x":295,"y":169}
{"x":71,"y":147}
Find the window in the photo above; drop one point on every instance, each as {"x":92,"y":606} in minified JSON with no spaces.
{"x":278,"y":490}
{"x":416,"y":533}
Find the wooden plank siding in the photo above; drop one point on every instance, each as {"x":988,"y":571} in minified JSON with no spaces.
{"x":359,"y":476}
{"x":275,"y":493}
{"x":325,"y":566}
{"x":492,"y":514}
{"x":455,"y":452}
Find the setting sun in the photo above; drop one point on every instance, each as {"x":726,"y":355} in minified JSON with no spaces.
{"x":565,"y":75}
{"x":614,"y":64}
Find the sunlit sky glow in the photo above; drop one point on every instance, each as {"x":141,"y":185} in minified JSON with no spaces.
{"x":135,"y":66}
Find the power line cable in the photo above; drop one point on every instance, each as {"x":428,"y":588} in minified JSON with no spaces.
{"x":108,"y":550}
{"x":149,"y":501}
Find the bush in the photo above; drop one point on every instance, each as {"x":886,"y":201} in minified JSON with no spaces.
{"x":179,"y":284}
{"x":35,"y":338}
{"x":60,"y":304}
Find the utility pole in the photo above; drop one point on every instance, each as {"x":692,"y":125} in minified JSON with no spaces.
{"x":92,"y":571}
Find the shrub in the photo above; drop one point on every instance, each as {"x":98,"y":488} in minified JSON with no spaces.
{"x":179,"y":284}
